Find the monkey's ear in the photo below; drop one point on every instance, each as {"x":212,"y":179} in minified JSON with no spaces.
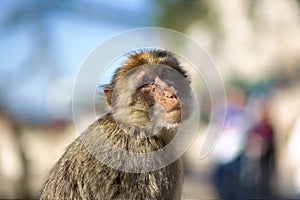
{"x":108,"y":93}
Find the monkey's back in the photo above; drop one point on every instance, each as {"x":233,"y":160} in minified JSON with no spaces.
{"x":80,"y":175}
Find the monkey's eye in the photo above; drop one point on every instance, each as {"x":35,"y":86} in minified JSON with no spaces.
{"x":146,"y":81}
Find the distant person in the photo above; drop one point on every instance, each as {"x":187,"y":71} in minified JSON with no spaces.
{"x":229,"y":148}
{"x":258,"y":161}
{"x":293,"y":148}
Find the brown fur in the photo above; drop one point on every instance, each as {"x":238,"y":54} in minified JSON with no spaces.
{"x":79,"y":175}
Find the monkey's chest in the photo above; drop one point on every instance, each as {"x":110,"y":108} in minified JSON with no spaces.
{"x":160,"y":184}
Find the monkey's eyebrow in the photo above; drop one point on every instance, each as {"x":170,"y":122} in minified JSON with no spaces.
{"x":144,"y":85}
{"x":147,"y":79}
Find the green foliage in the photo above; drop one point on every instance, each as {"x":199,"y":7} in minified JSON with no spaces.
{"x":179,"y":14}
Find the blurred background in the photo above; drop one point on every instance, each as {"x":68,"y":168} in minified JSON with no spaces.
{"x":254,"y":43}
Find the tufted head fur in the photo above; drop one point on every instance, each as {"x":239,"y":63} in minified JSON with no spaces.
{"x":150,"y":89}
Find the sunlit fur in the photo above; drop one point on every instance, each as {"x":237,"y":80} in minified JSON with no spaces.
{"x":79,"y":175}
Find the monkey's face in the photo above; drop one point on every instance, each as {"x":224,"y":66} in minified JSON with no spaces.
{"x":152,"y":95}
{"x":162,"y":99}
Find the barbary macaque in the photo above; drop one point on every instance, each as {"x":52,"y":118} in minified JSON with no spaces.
{"x":148,"y":99}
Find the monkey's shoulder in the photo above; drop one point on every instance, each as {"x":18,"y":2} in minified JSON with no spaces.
{"x":106,"y":131}
{"x":82,"y":173}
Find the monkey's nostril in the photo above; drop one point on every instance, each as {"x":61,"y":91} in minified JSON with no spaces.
{"x":171,"y":96}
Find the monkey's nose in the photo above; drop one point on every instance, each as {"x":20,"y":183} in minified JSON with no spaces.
{"x":159,"y":85}
{"x":169,"y":94}
{"x":165,"y":96}
{"x":163,"y":89}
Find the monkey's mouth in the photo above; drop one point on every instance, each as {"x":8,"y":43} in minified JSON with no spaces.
{"x":165,"y":97}
{"x":173,"y":115}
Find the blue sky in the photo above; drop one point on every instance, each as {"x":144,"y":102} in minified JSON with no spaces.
{"x":71,"y":39}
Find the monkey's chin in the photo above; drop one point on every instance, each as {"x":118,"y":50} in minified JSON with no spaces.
{"x":171,"y":120}
{"x":173,"y":116}
{"x":171,"y":125}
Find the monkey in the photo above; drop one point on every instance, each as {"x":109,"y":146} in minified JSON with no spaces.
{"x":147,"y":102}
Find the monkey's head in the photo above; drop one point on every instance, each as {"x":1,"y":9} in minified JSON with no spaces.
{"x":150,"y":89}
